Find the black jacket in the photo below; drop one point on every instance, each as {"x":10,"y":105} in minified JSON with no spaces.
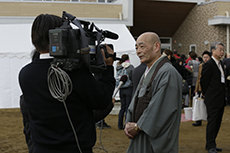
{"x":212,"y":88}
{"x":49,"y":125}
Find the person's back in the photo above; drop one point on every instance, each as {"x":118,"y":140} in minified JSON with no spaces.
{"x":49,"y":122}
{"x":195,"y":69}
{"x":50,"y":128}
{"x":124,"y":68}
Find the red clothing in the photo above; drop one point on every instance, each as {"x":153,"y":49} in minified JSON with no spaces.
{"x":176,"y":56}
{"x":188,"y":60}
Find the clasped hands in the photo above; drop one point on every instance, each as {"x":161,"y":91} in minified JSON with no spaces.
{"x":131,"y":130}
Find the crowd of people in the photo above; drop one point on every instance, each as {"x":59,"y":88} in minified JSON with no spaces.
{"x":199,"y":77}
{"x":208,"y":77}
{"x":152,"y":96}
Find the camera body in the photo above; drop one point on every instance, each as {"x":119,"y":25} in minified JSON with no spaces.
{"x":65,"y":48}
{"x":72,"y":48}
{"x":64,"y":42}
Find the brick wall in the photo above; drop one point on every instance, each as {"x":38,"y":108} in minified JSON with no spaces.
{"x":195,"y":29}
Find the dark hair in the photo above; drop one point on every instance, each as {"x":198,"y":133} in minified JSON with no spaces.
{"x":207,"y":53}
{"x":168,"y":52}
{"x":40,"y":30}
{"x":183,"y":57}
{"x":200,"y":59}
{"x":35,"y":55}
{"x":124,"y":57}
{"x":193,"y":55}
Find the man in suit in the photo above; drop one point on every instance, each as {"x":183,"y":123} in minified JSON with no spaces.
{"x":213,"y":88}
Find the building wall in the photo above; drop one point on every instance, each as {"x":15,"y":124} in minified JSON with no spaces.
{"x":77,"y":9}
{"x":223,"y":7}
{"x":195,"y":29}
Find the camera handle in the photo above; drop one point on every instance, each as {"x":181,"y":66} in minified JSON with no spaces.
{"x":76,"y":22}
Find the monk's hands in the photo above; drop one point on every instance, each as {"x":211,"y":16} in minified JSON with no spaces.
{"x":130,"y":130}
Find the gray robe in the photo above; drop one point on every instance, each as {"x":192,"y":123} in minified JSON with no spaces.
{"x":160,"y":121}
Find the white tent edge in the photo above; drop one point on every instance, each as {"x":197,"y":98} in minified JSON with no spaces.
{"x":15,"y":52}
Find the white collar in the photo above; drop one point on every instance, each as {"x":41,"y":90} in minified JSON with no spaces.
{"x":45,"y":56}
{"x":148,"y":69}
{"x":216,"y":60}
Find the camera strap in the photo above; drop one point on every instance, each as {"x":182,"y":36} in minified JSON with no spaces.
{"x":84,"y":39}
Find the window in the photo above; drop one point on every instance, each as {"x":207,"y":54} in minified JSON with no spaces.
{"x":192,"y":47}
{"x":166,"y":43}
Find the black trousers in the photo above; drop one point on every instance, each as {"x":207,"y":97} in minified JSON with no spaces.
{"x":125,"y":98}
{"x":214,"y":122}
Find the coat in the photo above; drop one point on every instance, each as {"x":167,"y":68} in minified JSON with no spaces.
{"x":212,"y":88}
{"x":160,"y":121}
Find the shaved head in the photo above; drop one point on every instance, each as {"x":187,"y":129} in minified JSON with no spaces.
{"x":150,"y":37}
{"x":148,"y":48}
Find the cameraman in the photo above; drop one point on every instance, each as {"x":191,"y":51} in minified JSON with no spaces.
{"x":50,"y":129}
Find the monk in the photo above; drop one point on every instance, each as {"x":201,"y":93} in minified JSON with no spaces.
{"x":153,"y":117}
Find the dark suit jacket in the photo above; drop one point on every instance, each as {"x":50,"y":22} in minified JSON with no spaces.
{"x":212,"y":88}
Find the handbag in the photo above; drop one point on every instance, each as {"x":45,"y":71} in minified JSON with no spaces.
{"x":199,"y":111}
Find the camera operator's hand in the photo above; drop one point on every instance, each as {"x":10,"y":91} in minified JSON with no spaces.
{"x":109,"y":60}
{"x":113,"y":100}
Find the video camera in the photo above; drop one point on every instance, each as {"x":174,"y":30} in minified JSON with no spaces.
{"x":78,"y":42}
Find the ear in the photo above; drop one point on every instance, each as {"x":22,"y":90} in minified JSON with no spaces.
{"x":158,"y":46}
{"x":213,"y":50}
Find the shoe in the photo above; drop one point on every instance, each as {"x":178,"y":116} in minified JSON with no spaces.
{"x":120,"y":128}
{"x":102,"y":125}
{"x":197,"y":124}
{"x":212,"y":150}
{"x":218,"y":149}
{"x":105,"y":125}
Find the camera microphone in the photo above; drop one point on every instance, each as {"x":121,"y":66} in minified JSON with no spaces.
{"x":123,"y":79}
{"x":110,"y":35}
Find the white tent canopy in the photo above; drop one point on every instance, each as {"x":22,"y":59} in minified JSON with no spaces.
{"x":16,"y":48}
{"x":125,"y":44}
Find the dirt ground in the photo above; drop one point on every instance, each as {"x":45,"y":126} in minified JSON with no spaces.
{"x":192,"y":139}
